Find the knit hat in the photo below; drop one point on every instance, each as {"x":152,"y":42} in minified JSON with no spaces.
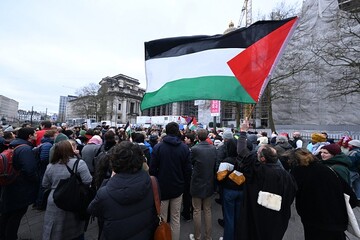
{"x":82,"y":133}
{"x":227,"y":135}
{"x":60,"y":137}
{"x":318,"y":137}
{"x":355,"y":143}
{"x":333,"y":149}
{"x":96,"y":139}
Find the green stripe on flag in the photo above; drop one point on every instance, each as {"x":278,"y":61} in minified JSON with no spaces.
{"x":224,"y":88}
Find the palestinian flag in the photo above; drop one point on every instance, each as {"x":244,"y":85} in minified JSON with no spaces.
{"x":193,"y":124}
{"x":231,"y":67}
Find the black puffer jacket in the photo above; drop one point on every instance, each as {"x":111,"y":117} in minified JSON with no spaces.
{"x":126,"y":205}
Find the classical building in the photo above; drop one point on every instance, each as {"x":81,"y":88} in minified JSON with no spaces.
{"x":8,"y":109}
{"x":123,"y":98}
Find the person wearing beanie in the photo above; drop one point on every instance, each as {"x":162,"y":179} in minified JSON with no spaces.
{"x":317,"y":141}
{"x":227,"y":135}
{"x":354,"y":156}
{"x":333,"y":158}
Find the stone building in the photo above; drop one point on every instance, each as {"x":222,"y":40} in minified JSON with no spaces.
{"x":123,"y":98}
{"x":8,"y":109}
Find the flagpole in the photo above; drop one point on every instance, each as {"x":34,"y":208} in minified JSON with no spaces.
{"x":251,"y":111}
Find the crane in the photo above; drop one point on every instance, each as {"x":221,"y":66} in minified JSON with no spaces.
{"x":246,"y":12}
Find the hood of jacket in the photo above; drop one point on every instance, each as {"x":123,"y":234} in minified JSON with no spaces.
{"x":126,"y":188}
{"x":172,"y":139}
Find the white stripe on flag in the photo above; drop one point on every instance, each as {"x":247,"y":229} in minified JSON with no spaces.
{"x":212,"y":62}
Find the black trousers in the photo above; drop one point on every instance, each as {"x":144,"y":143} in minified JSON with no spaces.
{"x":10,"y":222}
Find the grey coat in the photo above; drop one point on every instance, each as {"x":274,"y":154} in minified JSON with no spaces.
{"x":60,"y":224}
{"x":203,"y":158}
{"x":88,"y":153}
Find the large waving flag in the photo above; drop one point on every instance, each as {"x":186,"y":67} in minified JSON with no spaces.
{"x":232,"y":67}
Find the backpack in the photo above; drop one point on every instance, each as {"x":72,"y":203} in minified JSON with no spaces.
{"x":72,"y":195}
{"x":7,"y":173}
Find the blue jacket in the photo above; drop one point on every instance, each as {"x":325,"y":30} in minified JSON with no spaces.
{"x":126,"y":205}
{"x":46,"y":144}
{"x":22,"y":192}
{"x":170,"y":163}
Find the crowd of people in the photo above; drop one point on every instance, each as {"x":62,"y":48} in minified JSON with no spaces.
{"x":257,"y":178}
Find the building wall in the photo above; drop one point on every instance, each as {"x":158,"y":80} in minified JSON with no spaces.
{"x":8,"y":108}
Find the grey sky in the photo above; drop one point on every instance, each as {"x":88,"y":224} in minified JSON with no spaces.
{"x":51,"y":48}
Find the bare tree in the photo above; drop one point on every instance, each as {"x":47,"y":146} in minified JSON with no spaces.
{"x":341,"y":53}
{"x":88,"y":102}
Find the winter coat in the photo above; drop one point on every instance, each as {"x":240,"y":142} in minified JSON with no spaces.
{"x":340,"y":163}
{"x":126,"y":205}
{"x":88,"y":153}
{"x":258,"y":222}
{"x":170,"y":163}
{"x":319,"y":199}
{"x":354,"y":156}
{"x":60,"y":224}
{"x":281,"y":148}
{"x":203,"y":158}
{"x":46,"y":144}
{"x":23,"y":191}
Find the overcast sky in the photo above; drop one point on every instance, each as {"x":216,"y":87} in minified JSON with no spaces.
{"x":52,"y":48}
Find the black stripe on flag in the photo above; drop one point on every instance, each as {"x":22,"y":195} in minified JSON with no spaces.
{"x":240,"y":38}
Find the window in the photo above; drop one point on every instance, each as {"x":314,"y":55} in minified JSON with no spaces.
{"x":132,"y":107}
{"x":119,"y":107}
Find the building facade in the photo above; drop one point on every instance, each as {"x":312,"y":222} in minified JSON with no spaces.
{"x":8,"y":109}
{"x":62,"y":107}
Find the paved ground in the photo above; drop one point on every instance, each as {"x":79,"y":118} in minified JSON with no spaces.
{"x":32,"y":223}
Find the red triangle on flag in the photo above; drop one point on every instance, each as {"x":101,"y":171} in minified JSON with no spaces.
{"x":253,"y":65}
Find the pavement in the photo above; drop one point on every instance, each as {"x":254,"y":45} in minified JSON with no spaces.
{"x":32,"y":225}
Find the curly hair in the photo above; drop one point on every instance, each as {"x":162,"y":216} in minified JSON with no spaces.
{"x":126,"y":157}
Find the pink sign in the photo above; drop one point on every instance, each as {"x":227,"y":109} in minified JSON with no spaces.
{"x":215,"y":108}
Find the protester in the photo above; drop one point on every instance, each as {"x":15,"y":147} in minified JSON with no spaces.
{"x":344,"y":144}
{"x":44,"y":125}
{"x":317,"y":141}
{"x":282,"y":146}
{"x":172,"y":175}
{"x":297,"y":142}
{"x":232,"y":193}
{"x":125,"y":202}
{"x":222,"y":153}
{"x":60,"y":224}
{"x":90,"y":151}
{"x":43,"y":153}
{"x":265,"y":177}
{"x":354,"y":156}
{"x":333,"y":157}
{"x":16,"y":197}
{"x":187,"y":210}
{"x":322,"y":217}
{"x":203,"y":158}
